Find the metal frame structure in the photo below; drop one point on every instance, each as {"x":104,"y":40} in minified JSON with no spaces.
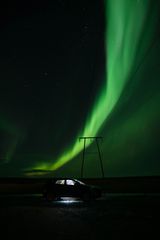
{"x":96,"y":139}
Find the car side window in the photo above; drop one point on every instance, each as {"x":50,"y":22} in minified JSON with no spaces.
{"x":62,"y":182}
{"x":70,"y":182}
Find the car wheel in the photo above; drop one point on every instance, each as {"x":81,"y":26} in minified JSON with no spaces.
{"x":50,"y":197}
{"x":86,"y":197}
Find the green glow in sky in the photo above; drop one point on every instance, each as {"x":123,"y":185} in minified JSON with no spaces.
{"x":126,"y":42}
{"x":14,"y":135}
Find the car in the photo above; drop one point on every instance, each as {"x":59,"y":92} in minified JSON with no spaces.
{"x":68,"y":187}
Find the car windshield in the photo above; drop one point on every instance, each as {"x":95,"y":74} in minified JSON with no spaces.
{"x":80,"y":182}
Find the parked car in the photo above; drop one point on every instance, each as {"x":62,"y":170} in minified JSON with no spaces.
{"x":68,"y":187}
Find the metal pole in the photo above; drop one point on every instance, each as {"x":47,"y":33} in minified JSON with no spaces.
{"x":100,"y":157}
{"x":84,"y":148}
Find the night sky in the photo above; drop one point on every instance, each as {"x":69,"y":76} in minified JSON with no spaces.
{"x":79,"y":68}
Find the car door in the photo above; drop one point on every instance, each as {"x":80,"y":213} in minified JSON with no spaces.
{"x":72,"y":188}
{"x":59,"y":187}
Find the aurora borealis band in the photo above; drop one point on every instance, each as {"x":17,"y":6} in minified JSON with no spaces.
{"x":96,"y":74}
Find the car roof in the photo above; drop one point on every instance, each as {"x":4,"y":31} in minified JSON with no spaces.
{"x":63,"y":178}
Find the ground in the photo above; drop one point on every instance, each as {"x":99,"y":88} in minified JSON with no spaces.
{"x":128,"y":216}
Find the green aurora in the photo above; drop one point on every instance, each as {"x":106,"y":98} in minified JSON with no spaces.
{"x":125,"y":111}
{"x":130,"y":30}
